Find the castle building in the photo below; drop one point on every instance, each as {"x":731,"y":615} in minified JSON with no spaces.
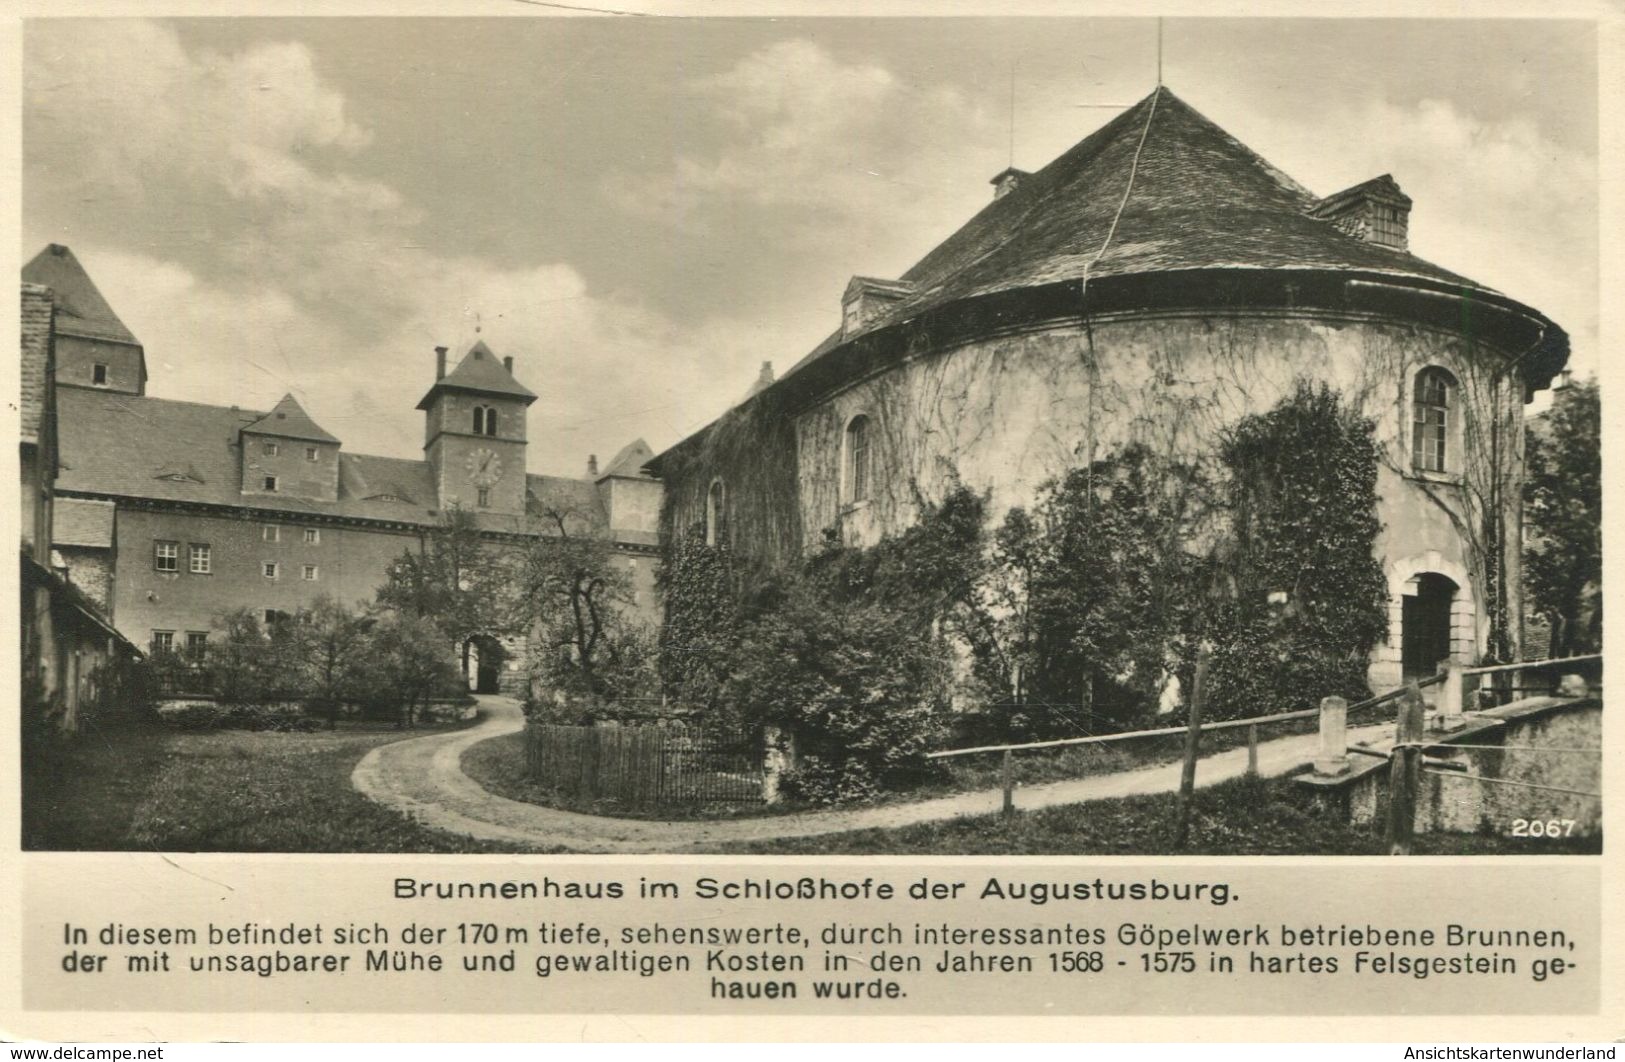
{"x":172,"y":513}
{"x":1151,"y":285}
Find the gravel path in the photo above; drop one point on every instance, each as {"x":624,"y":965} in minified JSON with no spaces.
{"x":423,"y":778}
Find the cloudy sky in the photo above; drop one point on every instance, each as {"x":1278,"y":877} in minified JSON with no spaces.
{"x":641,"y":211}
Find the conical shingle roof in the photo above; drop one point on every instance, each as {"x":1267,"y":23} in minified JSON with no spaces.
{"x":289,"y":420}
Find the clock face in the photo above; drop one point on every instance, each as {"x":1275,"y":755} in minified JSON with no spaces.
{"x":484,"y":466}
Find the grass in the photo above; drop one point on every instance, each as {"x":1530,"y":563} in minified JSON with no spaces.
{"x":499,"y":765}
{"x":153,"y":789}
{"x":1246,"y":816}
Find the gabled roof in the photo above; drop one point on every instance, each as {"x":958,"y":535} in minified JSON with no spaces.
{"x":119,"y":446}
{"x":629,"y":461}
{"x":36,"y":359}
{"x":81,"y":309}
{"x":481,"y":371}
{"x":289,"y":420}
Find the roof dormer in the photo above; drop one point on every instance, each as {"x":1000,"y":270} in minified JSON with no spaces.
{"x":287,"y":454}
{"x":1375,"y":211}
{"x":867,"y":299}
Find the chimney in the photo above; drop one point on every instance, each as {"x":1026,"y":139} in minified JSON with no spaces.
{"x":1375,"y":211}
{"x":1006,"y":180}
{"x":439,"y":363}
{"x":764,"y":380}
{"x":592,"y":465}
{"x":507,"y":363}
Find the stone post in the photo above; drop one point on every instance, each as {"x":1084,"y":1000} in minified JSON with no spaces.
{"x":1333,"y":758}
{"x":777,"y":757}
{"x":1452,"y":697}
{"x":1572,"y":685}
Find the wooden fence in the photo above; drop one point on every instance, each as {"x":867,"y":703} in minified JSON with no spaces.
{"x":647,"y":764}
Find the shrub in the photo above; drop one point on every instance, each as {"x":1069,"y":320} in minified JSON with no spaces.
{"x":194,"y":717}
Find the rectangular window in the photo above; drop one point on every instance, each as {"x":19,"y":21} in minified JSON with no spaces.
{"x":198,"y":558}
{"x":98,"y":374}
{"x":272,"y":449}
{"x":270,"y":569}
{"x":313,"y":536}
{"x":166,"y":556}
{"x":163,"y":641}
{"x":270,"y":484}
{"x":485,"y":498}
{"x":309,"y":573}
{"x":274,"y":616}
{"x":197,"y":643}
{"x":271,"y":533}
{"x":311,"y":453}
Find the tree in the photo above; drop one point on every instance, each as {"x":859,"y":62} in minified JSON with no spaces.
{"x":1562,"y":500}
{"x":456,"y":578}
{"x":251,"y":663}
{"x":331,"y":642}
{"x":573,"y":597}
{"x":406,"y":663}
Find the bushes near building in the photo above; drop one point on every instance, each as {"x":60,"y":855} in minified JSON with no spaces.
{"x":1082,"y":614}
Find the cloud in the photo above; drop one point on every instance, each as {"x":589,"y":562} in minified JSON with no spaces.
{"x":230,"y":228}
{"x":828,"y":152}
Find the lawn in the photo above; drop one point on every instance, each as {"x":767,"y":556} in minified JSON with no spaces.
{"x":151,"y":788}
{"x":1247,"y":816}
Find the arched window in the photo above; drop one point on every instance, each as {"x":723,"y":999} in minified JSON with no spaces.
{"x":479,"y":420}
{"x":858,"y":474}
{"x":490,"y":421}
{"x":1431,"y":425}
{"x":716,"y":514}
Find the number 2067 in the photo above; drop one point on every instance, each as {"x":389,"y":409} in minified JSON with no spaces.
{"x":1542,"y":827}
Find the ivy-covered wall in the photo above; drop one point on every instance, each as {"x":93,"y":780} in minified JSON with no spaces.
{"x":1006,"y":414}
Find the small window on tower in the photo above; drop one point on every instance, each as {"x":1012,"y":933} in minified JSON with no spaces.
{"x":311,"y":453}
{"x":270,"y":569}
{"x":313,"y":536}
{"x":490,"y":421}
{"x":272,"y":449}
{"x":98,"y":374}
{"x":485,"y":498}
{"x":309,"y":573}
{"x":270,"y":484}
{"x":271,"y":533}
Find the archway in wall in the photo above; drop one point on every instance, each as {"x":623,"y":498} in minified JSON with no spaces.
{"x":1425,"y":625}
{"x":482,"y":663}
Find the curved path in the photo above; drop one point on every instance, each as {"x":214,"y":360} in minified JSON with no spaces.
{"x":423,"y":777}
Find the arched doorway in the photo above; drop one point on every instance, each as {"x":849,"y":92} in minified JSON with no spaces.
{"x":1425,"y":625}
{"x":482,"y":663}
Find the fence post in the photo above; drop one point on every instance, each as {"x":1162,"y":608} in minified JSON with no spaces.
{"x":1252,"y":751}
{"x":1452,"y":698}
{"x":1334,"y":737}
{"x":1405,"y":772}
{"x":1007,"y":779}
{"x":1193,"y":736}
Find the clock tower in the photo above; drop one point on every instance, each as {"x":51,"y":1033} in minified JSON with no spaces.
{"x":474,"y":433}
